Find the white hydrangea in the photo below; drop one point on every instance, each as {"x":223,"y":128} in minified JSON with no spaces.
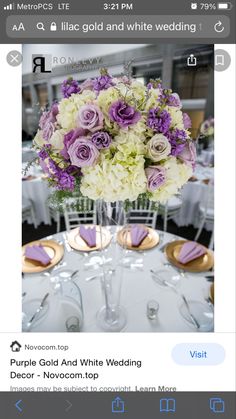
{"x":177,"y":174}
{"x":68,"y":108}
{"x":176,"y":117}
{"x":114,"y":181}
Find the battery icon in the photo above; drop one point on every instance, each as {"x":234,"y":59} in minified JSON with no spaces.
{"x":224,"y":6}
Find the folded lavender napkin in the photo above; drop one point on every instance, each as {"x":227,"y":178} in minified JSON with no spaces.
{"x":88,"y":235}
{"x":190,"y":251}
{"x":138,"y":234}
{"x":37,"y":253}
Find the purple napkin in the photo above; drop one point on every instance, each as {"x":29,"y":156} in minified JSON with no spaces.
{"x":138,"y":234}
{"x":190,"y":251}
{"x":37,"y":253}
{"x":88,"y":235}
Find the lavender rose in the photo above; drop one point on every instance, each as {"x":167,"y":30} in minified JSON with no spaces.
{"x":101,"y":139}
{"x":187,"y":121}
{"x":156,"y":177}
{"x":123,"y":114}
{"x":69,"y":139}
{"x":90,"y":117}
{"x":83,"y":153}
{"x":158,"y":148}
{"x":188,"y":155}
{"x":86,"y":85}
{"x":48,"y":120}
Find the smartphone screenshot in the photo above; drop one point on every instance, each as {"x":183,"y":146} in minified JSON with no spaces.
{"x":117,"y":209}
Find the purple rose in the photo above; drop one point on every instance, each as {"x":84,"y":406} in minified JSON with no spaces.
{"x":69,"y":87}
{"x":187,"y":121}
{"x":69,"y":138}
{"x":156,"y":177}
{"x":102,"y":83}
{"x":159,"y":120}
{"x":48,"y":120}
{"x":86,"y":85}
{"x":101,"y":139}
{"x":48,"y":130}
{"x":174,"y":100}
{"x":90,"y":117}
{"x":54,"y":111}
{"x":123,"y":114}
{"x":83,"y":153}
{"x":188,"y":155}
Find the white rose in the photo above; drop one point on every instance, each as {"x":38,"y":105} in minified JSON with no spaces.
{"x":38,"y":139}
{"x":158,"y":148}
{"x":57,"y":138}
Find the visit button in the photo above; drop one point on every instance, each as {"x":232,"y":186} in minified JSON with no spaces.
{"x":198,"y":354}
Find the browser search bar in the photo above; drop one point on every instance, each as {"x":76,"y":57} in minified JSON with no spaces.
{"x":107,"y":27}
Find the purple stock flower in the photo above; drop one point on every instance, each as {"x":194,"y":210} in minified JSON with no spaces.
{"x":156,"y":177}
{"x":65,"y":181}
{"x":69,"y":87}
{"x":101,"y":139}
{"x":159,"y":120}
{"x":69,"y":138}
{"x":43,"y":154}
{"x":187,"y":121}
{"x":90,"y":117}
{"x":177,"y":140}
{"x":83,"y":153}
{"x":124,"y":114}
{"x":103,"y":82}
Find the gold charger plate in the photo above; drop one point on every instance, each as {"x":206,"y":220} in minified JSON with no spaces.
{"x":77,"y":243}
{"x":150,"y":241}
{"x":201,"y":264}
{"x":212,"y":293}
{"x":53,"y":249}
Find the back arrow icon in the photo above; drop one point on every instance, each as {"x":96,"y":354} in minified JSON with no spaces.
{"x":69,"y":405}
{"x":17,"y":405}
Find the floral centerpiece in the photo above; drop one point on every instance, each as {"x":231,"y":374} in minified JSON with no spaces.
{"x":207,"y":127}
{"x":115,"y":139}
{"x":206,"y":133}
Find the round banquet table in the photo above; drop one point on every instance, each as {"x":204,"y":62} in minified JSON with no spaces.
{"x":193,"y":194}
{"x":138,"y":287}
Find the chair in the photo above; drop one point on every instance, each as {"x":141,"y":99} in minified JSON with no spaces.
{"x":55,"y":216}
{"x":206,"y":213}
{"x":142,"y":211}
{"x":28,"y":212}
{"x":79,"y":211}
{"x":170,"y":209}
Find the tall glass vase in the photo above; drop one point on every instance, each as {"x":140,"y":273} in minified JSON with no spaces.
{"x":112,"y":316}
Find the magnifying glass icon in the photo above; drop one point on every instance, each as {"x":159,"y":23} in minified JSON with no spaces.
{"x":40,"y":26}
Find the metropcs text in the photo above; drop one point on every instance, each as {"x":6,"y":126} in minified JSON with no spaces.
{"x":83,"y":362}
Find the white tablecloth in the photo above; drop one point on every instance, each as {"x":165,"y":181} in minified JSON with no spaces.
{"x":37,"y":191}
{"x":193,"y":193}
{"x":138,"y":288}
